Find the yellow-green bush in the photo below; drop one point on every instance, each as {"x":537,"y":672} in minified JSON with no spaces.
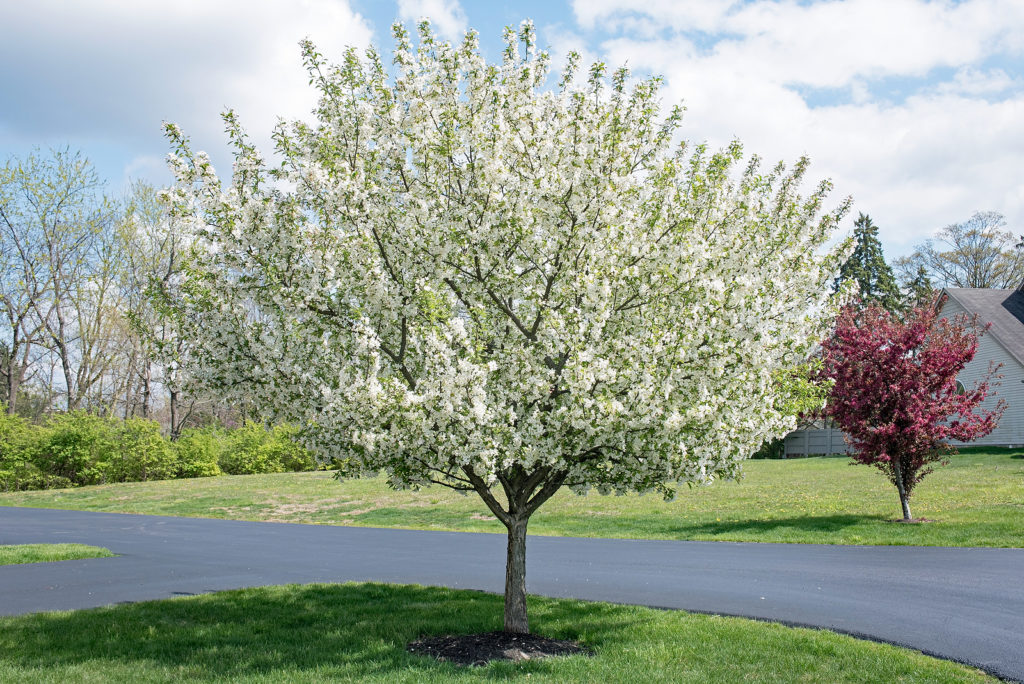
{"x":253,"y":449}
{"x":89,"y":449}
{"x":21,"y":445}
{"x":81,"y":448}
{"x":199,"y":452}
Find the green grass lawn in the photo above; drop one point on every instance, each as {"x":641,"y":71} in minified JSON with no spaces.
{"x":358,"y":632}
{"x":43,"y":553}
{"x":978,"y":500}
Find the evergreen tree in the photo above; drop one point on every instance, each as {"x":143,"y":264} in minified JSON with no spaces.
{"x":867,"y":266}
{"x":920,"y":291}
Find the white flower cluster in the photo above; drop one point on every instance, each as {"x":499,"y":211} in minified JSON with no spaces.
{"x":463,"y":275}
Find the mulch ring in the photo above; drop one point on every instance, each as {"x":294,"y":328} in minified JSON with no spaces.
{"x":480,"y":649}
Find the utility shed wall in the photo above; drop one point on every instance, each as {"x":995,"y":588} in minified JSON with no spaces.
{"x":1010,"y":431}
{"x":814,"y":441}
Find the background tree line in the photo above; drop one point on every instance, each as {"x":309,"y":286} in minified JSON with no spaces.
{"x":81,"y":273}
{"x":80,"y":329}
{"x":977,"y":253}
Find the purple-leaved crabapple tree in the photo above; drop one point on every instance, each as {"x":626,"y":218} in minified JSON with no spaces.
{"x":464,"y":275}
{"x":895,"y":392}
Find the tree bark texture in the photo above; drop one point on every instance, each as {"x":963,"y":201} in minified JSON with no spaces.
{"x":516,"y":621}
{"x":175,"y":428}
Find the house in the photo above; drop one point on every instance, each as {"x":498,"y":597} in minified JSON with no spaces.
{"x":1002,"y":344}
{"x":1003,"y":311}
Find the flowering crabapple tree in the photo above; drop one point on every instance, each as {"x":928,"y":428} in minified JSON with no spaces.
{"x":895,"y":392}
{"x":463,"y":275}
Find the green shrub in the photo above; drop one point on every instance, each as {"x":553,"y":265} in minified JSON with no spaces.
{"x":21,"y":446}
{"x":199,"y":451}
{"x":285,"y":447}
{"x":253,"y":449}
{"x":242,"y":453}
{"x":81,"y":447}
{"x":88,"y":449}
{"x":140,"y":452}
{"x":775,"y":448}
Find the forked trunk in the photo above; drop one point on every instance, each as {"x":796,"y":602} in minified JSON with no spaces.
{"x":516,"y":621}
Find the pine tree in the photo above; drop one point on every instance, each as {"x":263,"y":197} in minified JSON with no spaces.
{"x":867,"y":266}
{"x":920,"y":290}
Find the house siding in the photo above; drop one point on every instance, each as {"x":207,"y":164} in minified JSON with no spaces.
{"x":816,"y":441}
{"x":1010,"y":388}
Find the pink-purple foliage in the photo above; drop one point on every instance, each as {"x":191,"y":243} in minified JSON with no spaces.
{"x":895,"y":392}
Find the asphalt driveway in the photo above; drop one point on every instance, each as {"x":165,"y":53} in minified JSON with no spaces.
{"x":957,"y":603}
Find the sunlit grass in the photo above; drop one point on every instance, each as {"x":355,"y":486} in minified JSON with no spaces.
{"x":978,"y":500}
{"x":358,"y":632}
{"x":16,"y":554}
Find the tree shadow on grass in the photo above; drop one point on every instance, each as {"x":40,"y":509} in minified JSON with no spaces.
{"x":764,"y":527}
{"x":351,"y":631}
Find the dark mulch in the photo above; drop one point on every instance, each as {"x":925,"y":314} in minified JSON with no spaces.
{"x":480,"y":649}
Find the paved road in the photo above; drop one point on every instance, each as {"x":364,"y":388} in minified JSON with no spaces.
{"x":963,"y":604}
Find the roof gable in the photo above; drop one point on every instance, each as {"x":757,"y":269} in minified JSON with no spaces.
{"x":1003,"y":309}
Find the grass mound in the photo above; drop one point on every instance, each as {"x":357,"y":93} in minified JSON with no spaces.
{"x":359,"y":632}
{"x":43,"y":553}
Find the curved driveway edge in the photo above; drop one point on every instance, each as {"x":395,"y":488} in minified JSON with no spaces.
{"x":964,"y":604}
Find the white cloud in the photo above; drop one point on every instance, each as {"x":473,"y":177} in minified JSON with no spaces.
{"x":446,"y":16}
{"x":697,"y":15}
{"x":114,"y":69}
{"x":969,"y":81}
{"x":147,"y":167}
{"x":930,"y":154}
{"x":829,"y":43}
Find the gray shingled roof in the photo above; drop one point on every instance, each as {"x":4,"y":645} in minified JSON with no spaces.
{"x":1004,"y":309}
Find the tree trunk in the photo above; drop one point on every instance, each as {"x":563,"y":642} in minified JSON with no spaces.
{"x":146,"y":390}
{"x":16,"y":374}
{"x":904,"y":497}
{"x":64,"y":355}
{"x":12,"y":388}
{"x":174,"y":427}
{"x":516,"y":621}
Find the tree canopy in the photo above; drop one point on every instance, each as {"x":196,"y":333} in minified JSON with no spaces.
{"x":895,"y":392}
{"x":463,"y":275}
{"x":866,"y":266}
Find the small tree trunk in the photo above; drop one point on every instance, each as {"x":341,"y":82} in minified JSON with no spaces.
{"x":516,"y":621}
{"x":174,"y":427}
{"x":904,"y":497}
{"x":906,"y":506}
{"x":12,"y":388}
{"x":146,"y":391}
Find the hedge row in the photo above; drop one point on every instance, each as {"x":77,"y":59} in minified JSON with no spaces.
{"x":79,"y":448}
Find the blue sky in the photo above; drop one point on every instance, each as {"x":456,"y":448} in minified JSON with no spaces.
{"x":913,"y":107}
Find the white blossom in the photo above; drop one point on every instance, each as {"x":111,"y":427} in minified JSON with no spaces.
{"x":462,"y":274}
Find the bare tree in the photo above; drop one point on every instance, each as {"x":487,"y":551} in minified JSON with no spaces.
{"x":24,"y":278}
{"x":81,"y":282}
{"x":58,"y":267}
{"x":978,"y":252}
